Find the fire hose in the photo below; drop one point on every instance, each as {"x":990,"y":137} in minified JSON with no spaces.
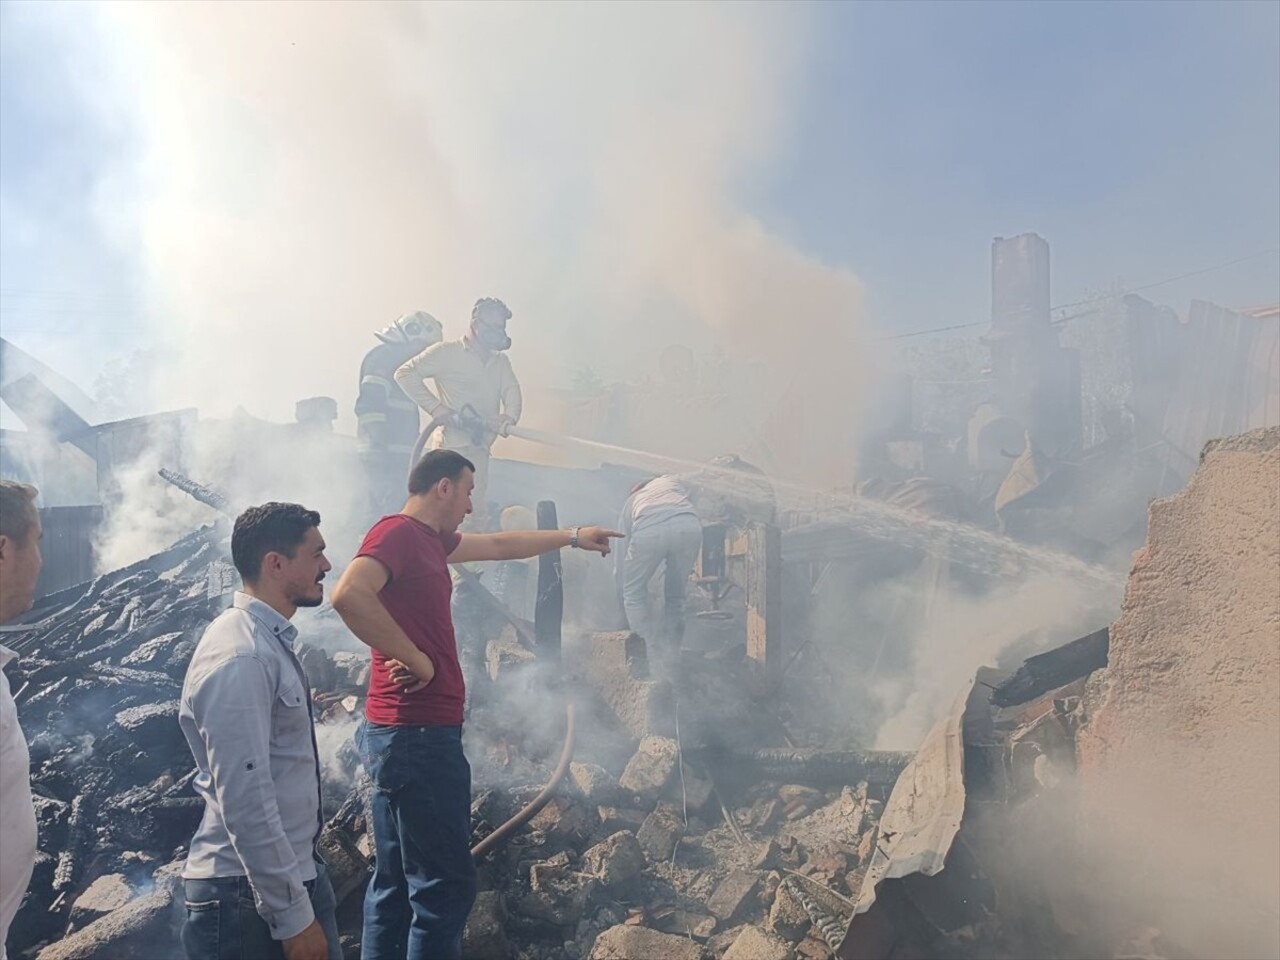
{"x":466,"y":418}
{"x":505,"y":832}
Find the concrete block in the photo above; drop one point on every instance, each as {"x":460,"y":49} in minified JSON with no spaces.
{"x":651,"y":768}
{"x":616,"y":668}
{"x":107,"y":893}
{"x":732,"y":894}
{"x":629,"y":943}
{"x":566,"y":821}
{"x":660,"y":833}
{"x":787,"y":918}
{"x":616,"y":860}
{"x":595,"y":783}
{"x":754,"y":944}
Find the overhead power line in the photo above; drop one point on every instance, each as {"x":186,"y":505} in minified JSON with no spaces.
{"x":1097,"y":299}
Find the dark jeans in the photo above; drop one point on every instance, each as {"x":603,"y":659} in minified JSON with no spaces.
{"x":424,"y":882}
{"x":223,"y":923}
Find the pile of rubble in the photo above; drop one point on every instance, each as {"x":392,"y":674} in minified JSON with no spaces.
{"x":660,"y":839}
{"x":675,"y":816}
{"x":673,"y":834}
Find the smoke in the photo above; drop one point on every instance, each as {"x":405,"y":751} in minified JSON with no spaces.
{"x":314,"y":170}
{"x":335,"y":744}
{"x":249,"y":462}
{"x":958,"y":632}
{"x":146,"y":515}
{"x":1196,"y":869}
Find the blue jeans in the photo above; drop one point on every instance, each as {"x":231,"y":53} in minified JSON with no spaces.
{"x":424,"y":881}
{"x":223,"y":923}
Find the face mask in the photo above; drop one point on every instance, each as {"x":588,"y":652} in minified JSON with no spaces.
{"x":492,"y":338}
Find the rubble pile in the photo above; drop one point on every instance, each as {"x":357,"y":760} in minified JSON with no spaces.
{"x":1047,"y":813}
{"x":695,"y":819}
{"x":674,"y":834}
{"x":672,"y":827}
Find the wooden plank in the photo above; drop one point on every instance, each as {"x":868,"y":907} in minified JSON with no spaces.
{"x":764,"y":603}
{"x":67,"y":547}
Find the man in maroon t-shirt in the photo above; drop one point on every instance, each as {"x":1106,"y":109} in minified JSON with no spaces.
{"x":395,"y":597}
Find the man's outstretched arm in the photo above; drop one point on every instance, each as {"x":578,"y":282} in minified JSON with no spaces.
{"x":523,"y":544}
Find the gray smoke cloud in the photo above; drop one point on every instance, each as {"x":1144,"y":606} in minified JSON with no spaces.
{"x":311,"y":171}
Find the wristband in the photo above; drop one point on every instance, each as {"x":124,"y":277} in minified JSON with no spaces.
{"x":573,"y":536}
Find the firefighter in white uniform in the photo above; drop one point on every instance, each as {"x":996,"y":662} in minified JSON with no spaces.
{"x":476,"y":398}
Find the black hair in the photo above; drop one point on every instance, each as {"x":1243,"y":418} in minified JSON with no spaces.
{"x":437,"y":465}
{"x":270,"y":528}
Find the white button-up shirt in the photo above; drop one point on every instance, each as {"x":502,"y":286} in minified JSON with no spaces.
{"x":246,"y":714}
{"x":17,"y":814}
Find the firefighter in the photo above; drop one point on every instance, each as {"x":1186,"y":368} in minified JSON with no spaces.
{"x":476,"y":398}
{"x":387,"y":420}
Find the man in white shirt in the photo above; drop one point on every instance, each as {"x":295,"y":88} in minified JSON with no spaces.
{"x":477,"y":397}
{"x":663,"y":530}
{"x":19,"y":570}
{"x":254,"y":887}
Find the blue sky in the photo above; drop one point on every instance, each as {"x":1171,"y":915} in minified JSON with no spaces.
{"x":1142,"y":140}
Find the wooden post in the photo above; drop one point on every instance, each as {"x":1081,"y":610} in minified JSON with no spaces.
{"x":548,"y":610}
{"x":764,"y":604}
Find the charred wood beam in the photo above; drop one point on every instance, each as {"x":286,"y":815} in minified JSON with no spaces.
{"x":78,"y":830}
{"x":764,"y":604}
{"x":825,"y":767}
{"x":548,"y":613}
{"x":1048,"y":671}
{"x":480,"y":592}
{"x":198,"y":491}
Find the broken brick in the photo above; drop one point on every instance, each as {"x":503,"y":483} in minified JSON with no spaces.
{"x":651,"y":769}
{"x":754,"y":944}
{"x":629,"y":943}
{"x":616,"y":860}
{"x":732,"y":894}
{"x":660,"y":833}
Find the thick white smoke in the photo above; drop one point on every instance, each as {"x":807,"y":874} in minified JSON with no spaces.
{"x":314,"y":170}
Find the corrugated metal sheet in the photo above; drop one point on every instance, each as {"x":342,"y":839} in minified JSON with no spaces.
{"x":924,"y":811}
{"x":1230,"y":376}
{"x":1215,"y":373}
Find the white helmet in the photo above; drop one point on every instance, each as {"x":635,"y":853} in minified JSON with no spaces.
{"x":420,"y":327}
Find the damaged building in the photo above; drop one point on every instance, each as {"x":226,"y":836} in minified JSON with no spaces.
{"x":803,"y":786}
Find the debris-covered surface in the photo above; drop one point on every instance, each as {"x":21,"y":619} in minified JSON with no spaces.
{"x":674,"y":832}
{"x":1049,"y":813}
{"x":673,"y":821}
{"x":97,"y":688}
{"x":952,"y":874}
{"x":700,"y":816}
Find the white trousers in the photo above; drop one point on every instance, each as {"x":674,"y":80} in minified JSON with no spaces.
{"x":673,"y":545}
